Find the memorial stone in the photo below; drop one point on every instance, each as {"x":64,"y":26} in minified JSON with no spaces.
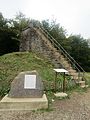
{"x":26,"y":85}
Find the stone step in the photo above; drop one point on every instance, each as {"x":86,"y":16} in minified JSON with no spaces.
{"x":74,"y":74}
{"x":70,"y":67}
{"x":84,"y":86}
{"x":62,"y":58}
{"x":57,"y":54}
{"x":71,"y":70}
{"x":65,"y":63}
{"x":81,"y":82}
{"x":76,"y":78}
{"x":67,"y":66}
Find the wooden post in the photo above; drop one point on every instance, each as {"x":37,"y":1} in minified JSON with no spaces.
{"x":64,"y":83}
{"x":55,"y":81}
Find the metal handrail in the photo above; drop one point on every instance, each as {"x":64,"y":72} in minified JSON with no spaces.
{"x":59,"y":46}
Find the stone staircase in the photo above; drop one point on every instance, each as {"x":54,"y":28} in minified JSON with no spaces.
{"x":60,"y":57}
{"x":50,"y":48}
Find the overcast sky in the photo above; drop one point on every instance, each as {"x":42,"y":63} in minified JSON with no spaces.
{"x":73,"y":15}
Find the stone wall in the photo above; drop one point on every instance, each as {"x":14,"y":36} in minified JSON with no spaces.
{"x":32,"y":39}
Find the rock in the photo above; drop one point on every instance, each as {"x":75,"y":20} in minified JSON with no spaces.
{"x":27,"y":84}
{"x":60,"y":94}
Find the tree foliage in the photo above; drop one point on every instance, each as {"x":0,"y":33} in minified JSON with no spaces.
{"x":8,"y":37}
{"x":58,"y":32}
{"x":20,"y":21}
{"x":80,"y":51}
{"x":3,"y":22}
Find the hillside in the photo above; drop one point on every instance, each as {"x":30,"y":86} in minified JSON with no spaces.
{"x":13,"y":63}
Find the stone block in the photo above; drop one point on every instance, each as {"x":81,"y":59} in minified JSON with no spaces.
{"x":8,"y":103}
{"x":27,"y":84}
{"x":60,"y":94}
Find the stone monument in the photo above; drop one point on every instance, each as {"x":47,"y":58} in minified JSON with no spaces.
{"x":26,"y":85}
{"x":26,"y":93}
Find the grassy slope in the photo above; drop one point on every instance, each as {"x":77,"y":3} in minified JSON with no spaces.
{"x":87,"y":76}
{"x":12,"y":64}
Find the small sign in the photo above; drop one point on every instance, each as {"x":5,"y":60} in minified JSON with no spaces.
{"x":60,"y":70}
{"x":30,"y":82}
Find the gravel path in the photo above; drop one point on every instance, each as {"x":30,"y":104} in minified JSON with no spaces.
{"x":75,"y":108}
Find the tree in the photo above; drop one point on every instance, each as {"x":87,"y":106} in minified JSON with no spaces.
{"x":8,"y":37}
{"x":88,"y":40}
{"x":80,"y":51}
{"x":3,"y":21}
{"x":55,"y":30}
{"x":20,"y":22}
{"x":46,"y":25}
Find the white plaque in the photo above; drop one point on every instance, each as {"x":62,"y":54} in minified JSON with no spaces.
{"x":30,"y":82}
{"x":60,"y":70}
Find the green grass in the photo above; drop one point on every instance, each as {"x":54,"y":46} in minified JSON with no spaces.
{"x":87,"y":76}
{"x":12,"y":64}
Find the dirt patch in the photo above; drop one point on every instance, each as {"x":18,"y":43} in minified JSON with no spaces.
{"x":75,"y":108}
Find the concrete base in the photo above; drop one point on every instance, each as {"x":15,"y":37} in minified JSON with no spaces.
{"x":60,"y":94}
{"x":8,"y":103}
